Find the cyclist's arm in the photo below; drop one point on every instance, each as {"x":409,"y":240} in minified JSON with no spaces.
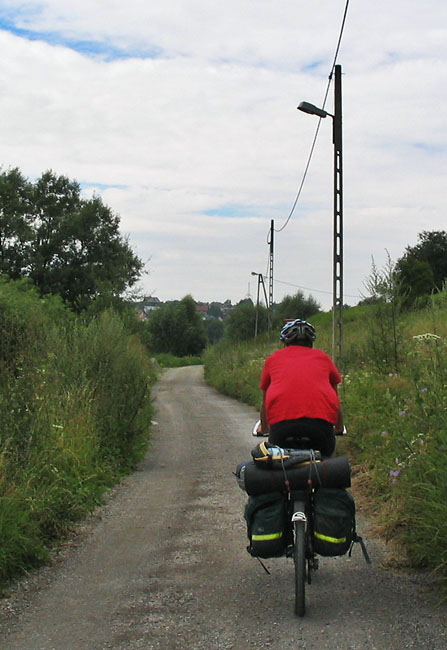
{"x":339,"y":424}
{"x":263,"y":416}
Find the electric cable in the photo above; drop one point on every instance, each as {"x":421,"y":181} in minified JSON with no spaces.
{"x":297,"y":286}
{"x":317,"y":130}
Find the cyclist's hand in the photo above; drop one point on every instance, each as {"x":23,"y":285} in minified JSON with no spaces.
{"x":257,"y":430}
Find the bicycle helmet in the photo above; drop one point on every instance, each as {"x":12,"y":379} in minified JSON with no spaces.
{"x":297,"y":330}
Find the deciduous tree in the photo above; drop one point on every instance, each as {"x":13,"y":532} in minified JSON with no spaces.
{"x":429,"y":254}
{"x":241,"y":321}
{"x":16,"y":233}
{"x":177,"y":329}
{"x":296,"y":306}
{"x":66,"y":244}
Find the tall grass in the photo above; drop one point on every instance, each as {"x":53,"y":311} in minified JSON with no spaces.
{"x":397,"y":421}
{"x":235,"y":369}
{"x":75,"y":411}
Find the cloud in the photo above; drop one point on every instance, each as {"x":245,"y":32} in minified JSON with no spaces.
{"x":182,"y":116}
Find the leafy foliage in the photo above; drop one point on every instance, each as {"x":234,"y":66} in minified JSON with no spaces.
{"x":416,"y":278}
{"x":166,"y":360}
{"x":296,"y":306}
{"x":214,"y":330}
{"x":65,"y":244}
{"x":177,"y":329}
{"x":384,"y":333}
{"x":423,"y":268}
{"x":245,"y":319}
{"x":74,"y":409}
{"x":16,"y":233}
{"x":240,"y":324}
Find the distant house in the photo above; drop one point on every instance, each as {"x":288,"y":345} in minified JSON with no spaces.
{"x":224,"y":307}
{"x":146,"y":306}
{"x":202,"y":310}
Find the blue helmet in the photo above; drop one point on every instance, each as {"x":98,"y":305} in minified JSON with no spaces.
{"x":297,"y":330}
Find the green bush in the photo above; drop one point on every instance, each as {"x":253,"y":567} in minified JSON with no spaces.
{"x":170,"y":361}
{"x":176,"y":329}
{"x":75,"y":412}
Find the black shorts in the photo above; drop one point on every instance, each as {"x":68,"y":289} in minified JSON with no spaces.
{"x":320,"y":433}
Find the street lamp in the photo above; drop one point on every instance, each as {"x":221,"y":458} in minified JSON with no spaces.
{"x":311,"y":109}
{"x":261,"y":281}
{"x":337,"y":306}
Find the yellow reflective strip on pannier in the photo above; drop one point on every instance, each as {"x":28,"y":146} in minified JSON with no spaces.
{"x":264,"y":538}
{"x":333,"y":540}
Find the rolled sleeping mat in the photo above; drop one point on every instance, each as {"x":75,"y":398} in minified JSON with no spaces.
{"x":240,"y":473}
{"x":329,"y":473}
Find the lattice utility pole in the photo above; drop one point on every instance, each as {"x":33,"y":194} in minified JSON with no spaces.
{"x":337,"y":306}
{"x":270,"y":303}
{"x":337,"y":315}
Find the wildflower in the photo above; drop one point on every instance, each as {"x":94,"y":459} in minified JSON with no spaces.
{"x":384,"y":433}
{"x":424,"y":390}
{"x":402,"y":412}
{"x":395,"y":472}
{"x":426,"y":337}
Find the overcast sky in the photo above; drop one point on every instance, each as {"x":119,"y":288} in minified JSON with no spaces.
{"x":182,"y":115}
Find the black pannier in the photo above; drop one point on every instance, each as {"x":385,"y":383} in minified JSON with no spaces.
{"x":266,"y":517}
{"x":334,"y":522}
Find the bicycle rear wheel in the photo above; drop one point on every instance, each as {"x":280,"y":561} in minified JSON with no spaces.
{"x":300,"y":566}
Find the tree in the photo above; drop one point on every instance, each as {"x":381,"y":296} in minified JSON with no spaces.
{"x":214,"y":329}
{"x":241,"y":321}
{"x":296,"y":306}
{"x":66,"y":244}
{"x":430,"y":253}
{"x":16,"y":234}
{"x":416,"y":279}
{"x":177,"y":329}
{"x":215,"y":311}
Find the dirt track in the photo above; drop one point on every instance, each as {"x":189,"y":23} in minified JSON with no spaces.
{"x":165,"y":565}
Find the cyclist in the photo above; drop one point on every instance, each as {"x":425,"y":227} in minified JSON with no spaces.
{"x":299,"y":385}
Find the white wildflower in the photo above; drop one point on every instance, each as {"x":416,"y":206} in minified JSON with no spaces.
{"x":428,"y":336}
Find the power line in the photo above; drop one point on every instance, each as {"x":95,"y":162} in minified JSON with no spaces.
{"x":317,"y":130}
{"x":297,"y":286}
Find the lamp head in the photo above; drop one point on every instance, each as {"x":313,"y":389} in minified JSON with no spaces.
{"x":306,"y":107}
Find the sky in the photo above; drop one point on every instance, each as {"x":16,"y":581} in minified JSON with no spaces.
{"x":182,"y":115}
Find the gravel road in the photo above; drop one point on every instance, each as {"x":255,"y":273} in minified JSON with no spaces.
{"x":163,"y":565}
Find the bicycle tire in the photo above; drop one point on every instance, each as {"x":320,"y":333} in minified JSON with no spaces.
{"x":300,"y":567}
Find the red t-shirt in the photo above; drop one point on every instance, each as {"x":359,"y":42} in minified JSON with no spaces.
{"x":300,"y":383}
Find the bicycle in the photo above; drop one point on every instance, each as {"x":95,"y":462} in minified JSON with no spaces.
{"x":300,"y":517}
